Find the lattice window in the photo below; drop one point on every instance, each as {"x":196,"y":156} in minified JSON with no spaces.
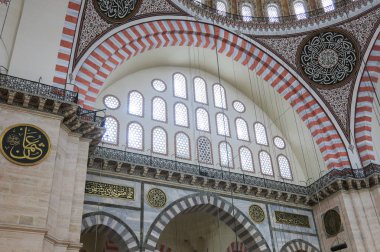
{"x":328,"y":5}
{"x":159,"y":85}
{"x":200,"y":90}
{"x":223,"y":127}
{"x":238,"y":106}
{"x":159,"y":109}
{"x":136,"y":103}
{"x":221,"y":7}
{"x":180,"y":87}
{"x":299,"y":9}
{"x":265,"y":163}
{"x":219,"y":96}
{"x":246,"y":159}
{"x":284,"y":166}
{"x":279,"y":142}
{"x":261,"y":134}
{"x":135,"y":136}
{"x":111,"y":102}
{"x":159,"y":141}
{"x":242,"y":129}
{"x":112,"y":130}
{"x":181,"y":116}
{"x":246,"y":12}
{"x":273,"y":13}
{"x":203,"y":122}
{"x":182,"y":146}
{"x":225,"y":155}
{"x":204,"y":150}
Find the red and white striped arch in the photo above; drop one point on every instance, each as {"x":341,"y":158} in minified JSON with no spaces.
{"x":364,"y":105}
{"x":127,"y":43}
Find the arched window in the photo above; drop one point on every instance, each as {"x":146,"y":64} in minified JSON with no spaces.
{"x":246,"y":12}
{"x":221,"y":7}
{"x":181,"y":116}
{"x":135,"y":136}
{"x":204,"y":150}
{"x":273,"y":13}
{"x":219,"y":96}
{"x":200,"y":90}
{"x":299,"y":9}
{"x":284,"y":166}
{"x":265,"y":163}
{"x":136,"y":103}
{"x":246,"y":160}
{"x":182,"y":146}
{"x":225,"y":155}
{"x":260,"y":134}
{"x":112,"y":130}
{"x":180,"y":87}
{"x":222,"y":125}
{"x":159,"y":109}
{"x":328,"y":5}
{"x":242,"y":129}
{"x":203,"y":122}
{"x":159,"y":141}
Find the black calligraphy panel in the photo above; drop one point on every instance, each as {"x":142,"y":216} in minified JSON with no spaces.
{"x":116,"y":11}
{"x":25,"y":144}
{"x":332,"y":222}
{"x":292,"y":219}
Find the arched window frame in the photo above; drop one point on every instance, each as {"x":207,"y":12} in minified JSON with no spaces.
{"x":194,"y":89}
{"x":327,"y":7}
{"x":241,"y":163}
{"x":228,"y":133}
{"x":261,"y":165}
{"x":166,"y":109}
{"x":142,"y":138}
{"x":211,"y":151}
{"x":224,"y":106}
{"x":220,"y":156}
{"x":129,"y":103}
{"x":252,"y":9}
{"x":175,"y":145}
{"x":208,"y":119}
{"x":247,"y":127}
{"x":174,"y":88}
{"x":117,"y":132}
{"x":274,"y":5}
{"x":265,"y":131}
{"x":226,"y":3}
{"x":166,"y":138}
{"x":299,"y":16}
{"x":279,"y":168}
{"x":175,"y":115}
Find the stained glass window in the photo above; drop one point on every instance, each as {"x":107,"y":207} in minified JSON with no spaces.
{"x":204,"y":150}
{"x":112,"y":128}
{"x":159,"y":141}
{"x":181,"y":116}
{"x":159,"y":109}
{"x":219,"y":96}
{"x":111,"y":102}
{"x":242,"y":129}
{"x":203,"y":123}
{"x":284,"y":166}
{"x":273,"y":13}
{"x":136,"y":103}
{"x":182,"y":145}
{"x":328,"y":5}
{"x":265,"y":163}
{"x":180,"y":87}
{"x":222,"y":124}
{"x":246,"y":159}
{"x":200,"y":90}
{"x":246,"y":12}
{"x":299,"y":9}
{"x":221,"y":7}
{"x":135,"y":136}
{"x":260,"y":134}
{"x":225,"y":154}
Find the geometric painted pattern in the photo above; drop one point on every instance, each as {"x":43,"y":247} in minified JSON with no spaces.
{"x":127,"y":43}
{"x":298,"y":245}
{"x":364,"y":105}
{"x":215,"y":206}
{"x":122,"y":231}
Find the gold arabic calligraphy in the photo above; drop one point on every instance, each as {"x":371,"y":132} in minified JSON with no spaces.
{"x":109,"y":190}
{"x":292,"y":219}
{"x":116,"y":9}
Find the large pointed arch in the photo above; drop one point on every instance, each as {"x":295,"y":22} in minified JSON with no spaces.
{"x":125,"y":44}
{"x":245,"y":229}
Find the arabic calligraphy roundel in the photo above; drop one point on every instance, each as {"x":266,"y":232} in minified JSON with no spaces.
{"x":328,"y":58}
{"x":116,"y":11}
{"x":24,"y":144}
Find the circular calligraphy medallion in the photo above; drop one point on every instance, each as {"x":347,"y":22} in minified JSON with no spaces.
{"x":24,"y":144}
{"x":332,"y":222}
{"x":328,"y":58}
{"x":156,"y":198}
{"x":256,"y":213}
{"x":116,"y":11}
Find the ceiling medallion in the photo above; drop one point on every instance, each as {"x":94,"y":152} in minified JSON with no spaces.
{"x":332,"y":222}
{"x":256,"y":213}
{"x":116,"y":11}
{"x":156,"y":198}
{"x":328,"y":58}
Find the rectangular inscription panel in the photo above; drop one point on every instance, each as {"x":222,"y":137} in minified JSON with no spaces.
{"x":110,"y":191}
{"x":292,"y":219}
